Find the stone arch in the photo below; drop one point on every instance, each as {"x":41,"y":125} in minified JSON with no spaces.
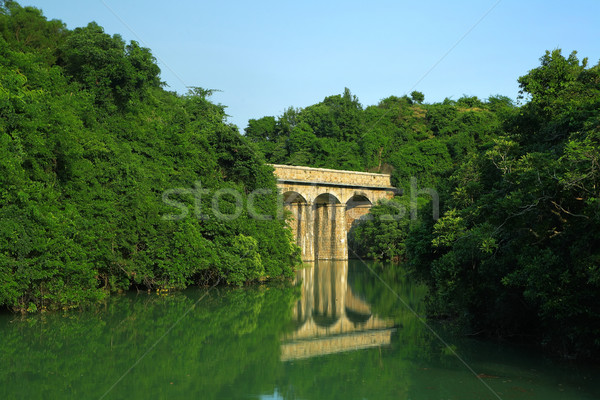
{"x":326,"y":197}
{"x":357,"y":209}
{"x":357,"y":318}
{"x":357,"y":310}
{"x":358,"y":199}
{"x":292,"y":196}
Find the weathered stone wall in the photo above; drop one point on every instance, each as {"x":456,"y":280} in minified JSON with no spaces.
{"x":325,"y":203}
{"x":354,"y":213}
{"x":330,"y":232}
{"x":302,"y":228}
{"x":328,"y":176}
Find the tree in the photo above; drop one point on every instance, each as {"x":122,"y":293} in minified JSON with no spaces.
{"x":114,"y":72}
{"x":522,"y":223}
{"x":417,"y":97}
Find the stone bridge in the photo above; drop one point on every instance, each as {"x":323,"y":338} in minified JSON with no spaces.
{"x":325,"y":203}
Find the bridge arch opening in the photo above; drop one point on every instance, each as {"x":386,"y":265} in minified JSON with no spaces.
{"x":357,"y":210}
{"x":357,"y":317}
{"x":291,"y":197}
{"x":358,"y":200}
{"x":357,"y":310}
{"x":326,"y":198}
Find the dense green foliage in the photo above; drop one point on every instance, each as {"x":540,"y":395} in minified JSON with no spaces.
{"x":417,"y":140}
{"x":89,"y":144}
{"x":516,"y":252}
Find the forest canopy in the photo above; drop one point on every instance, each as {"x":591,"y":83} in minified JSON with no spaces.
{"x":89,"y":143}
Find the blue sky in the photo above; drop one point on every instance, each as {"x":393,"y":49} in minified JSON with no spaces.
{"x":268,"y":55}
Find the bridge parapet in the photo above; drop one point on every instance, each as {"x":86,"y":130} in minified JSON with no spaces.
{"x":331,"y":177}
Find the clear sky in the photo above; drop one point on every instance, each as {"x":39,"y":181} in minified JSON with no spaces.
{"x":268,"y":55}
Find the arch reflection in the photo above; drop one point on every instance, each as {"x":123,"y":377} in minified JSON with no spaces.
{"x":330,"y":317}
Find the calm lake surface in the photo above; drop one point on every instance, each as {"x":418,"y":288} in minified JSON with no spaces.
{"x":339,"y":334}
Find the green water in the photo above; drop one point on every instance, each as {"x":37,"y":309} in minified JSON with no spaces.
{"x":341,"y":334}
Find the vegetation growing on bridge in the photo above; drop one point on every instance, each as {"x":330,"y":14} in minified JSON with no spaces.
{"x":517,"y":250}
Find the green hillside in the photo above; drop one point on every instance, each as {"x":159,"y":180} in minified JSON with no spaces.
{"x":90,"y":142}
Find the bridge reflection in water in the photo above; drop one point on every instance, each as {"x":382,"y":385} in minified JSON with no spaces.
{"x":330,"y":317}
